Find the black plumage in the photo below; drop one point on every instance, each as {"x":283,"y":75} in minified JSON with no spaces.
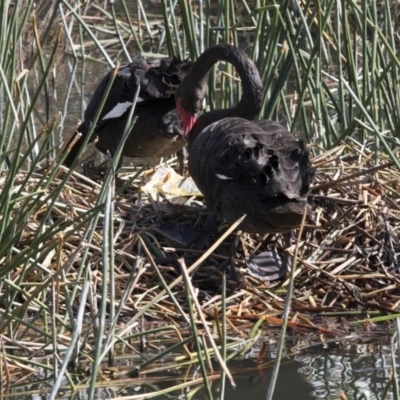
{"x":255,"y":168}
{"x":157,"y":119}
{"x":241,"y":166}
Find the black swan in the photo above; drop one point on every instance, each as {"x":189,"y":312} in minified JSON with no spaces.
{"x":241,"y":166}
{"x":158,"y":121}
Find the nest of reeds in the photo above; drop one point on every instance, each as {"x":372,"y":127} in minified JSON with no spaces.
{"x":348,"y":255}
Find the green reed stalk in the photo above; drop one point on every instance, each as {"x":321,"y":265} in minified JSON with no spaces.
{"x":131,"y":27}
{"x":223,"y":338}
{"x":286,"y":315}
{"x":89,"y":31}
{"x":76,"y":335}
{"x":105,"y":196}
{"x":117,"y":29}
{"x":170,"y":41}
{"x":197,"y":342}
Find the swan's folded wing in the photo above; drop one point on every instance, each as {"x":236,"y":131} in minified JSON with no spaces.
{"x":162,"y":76}
{"x":119,"y":97}
{"x":157,"y":78}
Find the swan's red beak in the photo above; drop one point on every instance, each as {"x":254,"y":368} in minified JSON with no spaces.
{"x":188,"y":120}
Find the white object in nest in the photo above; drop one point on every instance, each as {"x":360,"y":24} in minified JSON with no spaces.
{"x":165,"y":180}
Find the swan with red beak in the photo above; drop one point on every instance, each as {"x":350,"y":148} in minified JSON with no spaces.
{"x":241,"y":165}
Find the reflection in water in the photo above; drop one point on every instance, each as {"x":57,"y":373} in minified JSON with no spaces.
{"x":355,"y":374}
{"x":358,"y":371}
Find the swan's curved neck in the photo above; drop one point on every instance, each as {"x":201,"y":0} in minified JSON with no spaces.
{"x":191,"y":91}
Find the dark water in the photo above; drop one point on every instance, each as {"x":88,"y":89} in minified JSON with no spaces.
{"x":69,"y":93}
{"x":360,"y":371}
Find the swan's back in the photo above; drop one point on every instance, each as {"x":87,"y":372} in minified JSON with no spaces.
{"x":157,"y":118}
{"x":256,"y":168}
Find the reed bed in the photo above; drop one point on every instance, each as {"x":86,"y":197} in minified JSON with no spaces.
{"x":95,"y":271}
{"x":346,"y":276}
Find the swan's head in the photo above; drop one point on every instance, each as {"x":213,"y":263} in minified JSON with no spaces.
{"x":190,"y":101}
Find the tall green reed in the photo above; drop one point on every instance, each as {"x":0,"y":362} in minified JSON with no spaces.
{"x":308,"y":53}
